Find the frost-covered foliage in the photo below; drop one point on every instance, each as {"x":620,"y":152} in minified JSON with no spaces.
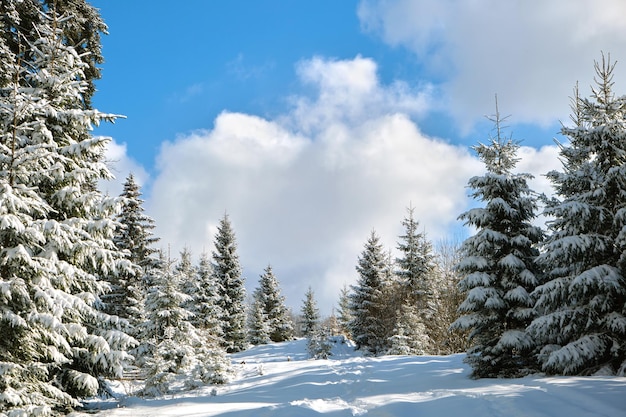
{"x":56,"y":229}
{"x":416,"y":265}
{"x":178,"y":352}
{"x":310,"y":314}
{"x":231,"y":284}
{"x":409,"y":334}
{"x":320,"y":343}
{"x":273,"y":306}
{"x":134,"y":236}
{"x":206,"y":306}
{"x":498,"y":264}
{"x":582,"y":326}
{"x":344,"y":315}
{"x":414,"y":272}
{"x":368,"y":302}
{"x":258,"y":323}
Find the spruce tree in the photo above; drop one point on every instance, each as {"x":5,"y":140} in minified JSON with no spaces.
{"x":274,"y":308}
{"x":498,"y":264}
{"x":57,"y":229}
{"x":344,"y":314}
{"x":176,"y":348}
{"x":310,"y":314}
{"x":134,"y":236}
{"x":227,"y":273}
{"x":416,"y":264}
{"x":409,"y":334}
{"x":368,"y":304}
{"x":207,"y":310}
{"x":582,"y":326}
{"x":413,"y":294}
{"x":258,"y":323}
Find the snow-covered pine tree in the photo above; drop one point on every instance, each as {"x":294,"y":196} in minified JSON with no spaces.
{"x":207,"y":311}
{"x":178,"y":351}
{"x":81,"y":32}
{"x":56,"y":229}
{"x":227,"y":273}
{"x":189,"y":283}
{"x":319,"y":344}
{"x":582,"y":326}
{"x":414,"y":271}
{"x":274,"y":308}
{"x":310,"y":314}
{"x":258,"y":323}
{"x":344,"y":315}
{"x":416,"y":264}
{"x":498,"y":263}
{"x":409,"y":334}
{"x":134,"y":236}
{"x":368,"y":303}
{"x":167,"y":329}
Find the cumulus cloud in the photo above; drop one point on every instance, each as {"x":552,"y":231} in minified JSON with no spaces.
{"x":305,"y":189}
{"x":531,"y":53}
{"x":121,"y":165}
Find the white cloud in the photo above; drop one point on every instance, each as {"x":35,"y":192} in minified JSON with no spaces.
{"x":120,"y":165}
{"x":531,"y":53}
{"x":304,"y":190}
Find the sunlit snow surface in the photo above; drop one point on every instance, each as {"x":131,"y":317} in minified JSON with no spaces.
{"x":278,"y":380}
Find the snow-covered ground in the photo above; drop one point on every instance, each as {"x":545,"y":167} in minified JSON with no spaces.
{"x":279,"y":380}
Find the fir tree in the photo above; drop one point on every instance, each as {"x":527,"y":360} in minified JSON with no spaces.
{"x":57,"y":229}
{"x":416,"y":264}
{"x":498,"y":264}
{"x":409,"y":334}
{"x":344,"y":314}
{"x":177,"y":348}
{"x":189,"y":283}
{"x":258,"y":323}
{"x":582,"y":326}
{"x":134,"y":236}
{"x":310,"y":314}
{"x":207,"y":311}
{"x":414,"y":271}
{"x":320,"y":344}
{"x":274,"y":308}
{"x":368,"y":305}
{"x":227,"y":272}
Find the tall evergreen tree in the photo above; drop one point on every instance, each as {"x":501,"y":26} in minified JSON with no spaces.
{"x":177,"y":348}
{"x":344,"y":314}
{"x":409,"y":334}
{"x":416,"y":264}
{"x":56,"y":229}
{"x":274,"y":308}
{"x":227,"y":272}
{"x":81,"y":31}
{"x":310,"y":314}
{"x":582,"y":326}
{"x":498,"y":263}
{"x":368,"y":302}
{"x":134,"y":236}
{"x":258,"y":323}
{"x":207,"y":310}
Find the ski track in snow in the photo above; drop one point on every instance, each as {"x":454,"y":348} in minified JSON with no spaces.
{"x":279,"y":380}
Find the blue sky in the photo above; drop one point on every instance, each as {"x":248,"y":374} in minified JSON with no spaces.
{"x":313,"y":122}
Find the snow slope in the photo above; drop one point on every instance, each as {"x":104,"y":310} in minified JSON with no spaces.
{"x":279,"y":380}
